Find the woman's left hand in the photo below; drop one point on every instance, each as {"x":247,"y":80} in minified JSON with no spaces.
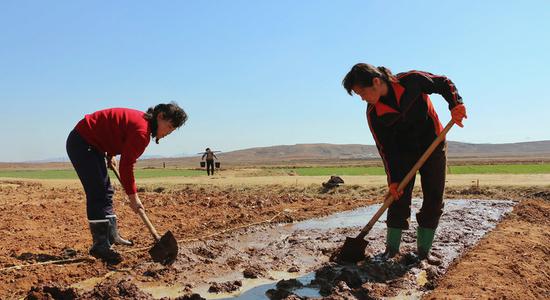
{"x":135,"y":203}
{"x":458,"y":113}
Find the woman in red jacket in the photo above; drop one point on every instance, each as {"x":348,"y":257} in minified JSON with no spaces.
{"x":103,"y":135}
{"x":404,"y":123}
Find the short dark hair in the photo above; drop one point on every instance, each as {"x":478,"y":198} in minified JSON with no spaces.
{"x":362,"y":74}
{"x":170,"y":111}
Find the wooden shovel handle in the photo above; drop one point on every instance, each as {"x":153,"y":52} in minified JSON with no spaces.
{"x":141,"y":212}
{"x":150,"y":226}
{"x":388,"y":200}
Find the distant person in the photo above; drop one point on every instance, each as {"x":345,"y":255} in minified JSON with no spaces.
{"x":103,"y":135}
{"x":209,"y":161}
{"x":404,"y":123}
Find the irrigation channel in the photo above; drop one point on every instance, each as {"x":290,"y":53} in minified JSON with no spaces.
{"x":293,"y":259}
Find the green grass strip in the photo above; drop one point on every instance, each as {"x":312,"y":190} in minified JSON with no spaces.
{"x":313,"y":171}
{"x":501,"y":169}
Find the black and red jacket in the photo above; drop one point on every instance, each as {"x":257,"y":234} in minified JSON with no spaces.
{"x":405,"y":121}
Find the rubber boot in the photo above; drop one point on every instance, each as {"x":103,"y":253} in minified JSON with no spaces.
{"x":424,"y":240}
{"x":102,"y":248}
{"x":114,"y":236}
{"x":393,"y":240}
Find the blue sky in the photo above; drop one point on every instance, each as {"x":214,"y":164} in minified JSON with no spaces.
{"x":262,"y":73}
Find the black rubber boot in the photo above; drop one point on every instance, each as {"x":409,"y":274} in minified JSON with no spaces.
{"x":102,"y":248}
{"x":114,"y":236}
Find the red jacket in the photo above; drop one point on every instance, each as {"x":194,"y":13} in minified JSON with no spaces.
{"x":117,"y":131}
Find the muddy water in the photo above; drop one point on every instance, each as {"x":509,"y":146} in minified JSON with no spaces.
{"x":275,"y":255}
{"x":306,"y":244}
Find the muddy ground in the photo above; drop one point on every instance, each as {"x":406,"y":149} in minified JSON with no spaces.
{"x":42,"y":224}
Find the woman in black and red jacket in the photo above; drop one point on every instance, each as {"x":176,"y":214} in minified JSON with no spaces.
{"x":404,"y":123}
{"x":103,"y":135}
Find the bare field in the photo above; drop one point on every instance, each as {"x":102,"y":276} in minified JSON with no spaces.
{"x":227,"y":178}
{"x":43,"y":221}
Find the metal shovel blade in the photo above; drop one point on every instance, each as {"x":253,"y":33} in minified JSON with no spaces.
{"x":165,"y":250}
{"x":352,"y":251}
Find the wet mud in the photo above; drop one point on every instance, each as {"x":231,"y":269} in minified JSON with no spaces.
{"x":226,"y":263}
{"x":311,"y":242}
{"x":263,"y":261}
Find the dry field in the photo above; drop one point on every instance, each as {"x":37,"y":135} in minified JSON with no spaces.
{"x":44,"y":221}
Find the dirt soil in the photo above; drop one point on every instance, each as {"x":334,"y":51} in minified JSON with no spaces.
{"x":40,"y":224}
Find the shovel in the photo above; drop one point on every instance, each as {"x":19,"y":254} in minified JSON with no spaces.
{"x":165,"y":249}
{"x":353,"y":249}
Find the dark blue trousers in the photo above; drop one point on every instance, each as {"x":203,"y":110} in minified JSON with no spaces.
{"x":91,"y":168}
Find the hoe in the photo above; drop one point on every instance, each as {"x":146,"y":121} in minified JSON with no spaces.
{"x":165,"y":249}
{"x":353,"y":249}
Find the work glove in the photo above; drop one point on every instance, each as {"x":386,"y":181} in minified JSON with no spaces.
{"x":394,"y":192}
{"x":458,"y":113}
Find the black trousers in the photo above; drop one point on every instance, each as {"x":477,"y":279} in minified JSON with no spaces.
{"x":91,"y":168}
{"x":432,"y":177}
{"x":210,"y":166}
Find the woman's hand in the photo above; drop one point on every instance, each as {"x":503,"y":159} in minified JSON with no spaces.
{"x":458,"y":113}
{"x":394,"y":192}
{"x":135,"y":203}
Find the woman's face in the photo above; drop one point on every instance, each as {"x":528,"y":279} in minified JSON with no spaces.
{"x":164,"y":127}
{"x":371,"y":94}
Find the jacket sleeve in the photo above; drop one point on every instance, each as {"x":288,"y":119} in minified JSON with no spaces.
{"x":429,"y":83}
{"x":387,"y":148}
{"x":134,"y":147}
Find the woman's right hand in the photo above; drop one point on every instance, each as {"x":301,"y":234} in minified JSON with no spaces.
{"x":135,"y":203}
{"x":394,"y":192}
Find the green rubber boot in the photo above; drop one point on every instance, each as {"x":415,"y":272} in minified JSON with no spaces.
{"x":424,"y":240}
{"x":393,"y":240}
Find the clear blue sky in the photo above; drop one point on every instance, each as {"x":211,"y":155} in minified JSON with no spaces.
{"x":262,"y":73}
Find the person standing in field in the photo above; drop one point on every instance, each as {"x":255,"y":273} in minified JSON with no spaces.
{"x":404,"y":123}
{"x":103,"y":135}
{"x":210,"y":156}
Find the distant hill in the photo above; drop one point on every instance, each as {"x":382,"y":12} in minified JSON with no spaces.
{"x":303,"y":152}
{"x":327,"y":153}
{"x":357,"y":151}
{"x":539,"y":148}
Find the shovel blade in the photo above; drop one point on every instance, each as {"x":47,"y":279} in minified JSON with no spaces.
{"x":165,"y":250}
{"x":352,"y":251}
